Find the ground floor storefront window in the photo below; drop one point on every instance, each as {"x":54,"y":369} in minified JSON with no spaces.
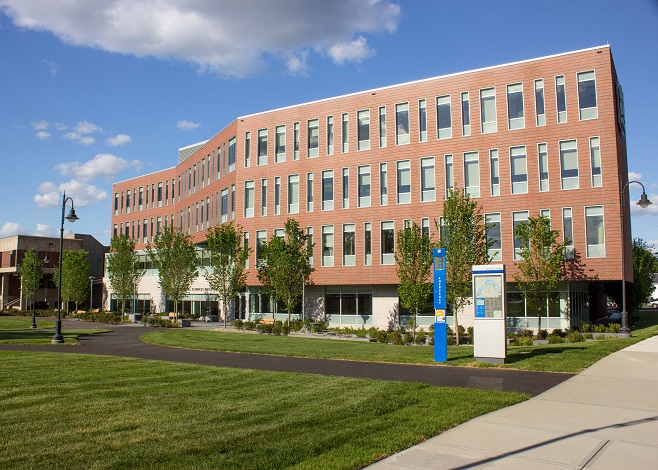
{"x":348,"y":305}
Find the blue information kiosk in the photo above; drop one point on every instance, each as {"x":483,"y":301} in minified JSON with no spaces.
{"x":440,"y":327}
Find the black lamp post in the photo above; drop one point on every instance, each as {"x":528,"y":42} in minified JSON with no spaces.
{"x":34,"y":294}
{"x":625,"y":331}
{"x":91,"y":292}
{"x":71,"y":217}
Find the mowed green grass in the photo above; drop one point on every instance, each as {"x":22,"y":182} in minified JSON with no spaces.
{"x":93,"y":412}
{"x":563,"y":357}
{"x":23,"y":323}
{"x":16,"y":330}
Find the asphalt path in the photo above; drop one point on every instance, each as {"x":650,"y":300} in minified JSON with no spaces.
{"x":124,"y":341}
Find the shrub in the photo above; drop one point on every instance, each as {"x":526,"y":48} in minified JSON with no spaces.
{"x":554,"y":339}
{"x":420,"y":337}
{"x":382,"y":336}
{"x":600,"y":328}
{"x":361,"y":332}
{"x":250,"y":325}
{"x":372,"y":332}
{"x":238,"y":324}
{"x":408,"y":337}
{"x":296,"y":326}
{"x":575,"y":337}
{"x":395,"y":337}
{"x":451,"y":341}
{"x":613,"y":328}
{"x":160,"y":321}
{"x":317,"y":327}
{"x":265,"y":328}
{"x":559,"y":332}
{"x":462,"y":330}
{"x":469,"y":331}
{"x":588,"y":336}
{"x":100,"y":317}
{"x":542,"y":334}
{"x":526,"y":333}
{"x":585,"y":327}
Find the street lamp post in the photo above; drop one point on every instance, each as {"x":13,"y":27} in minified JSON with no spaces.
{"x":91,"y":292}
{"x":71,"y":217}
{"x":34,"y":294}
{"x":625,"y":331}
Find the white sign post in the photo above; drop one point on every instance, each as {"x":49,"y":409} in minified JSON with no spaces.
{"x":490,"y":322}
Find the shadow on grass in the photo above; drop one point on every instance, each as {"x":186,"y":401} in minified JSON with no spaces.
{"x":525,"y":354}
{"x":43,"y":336}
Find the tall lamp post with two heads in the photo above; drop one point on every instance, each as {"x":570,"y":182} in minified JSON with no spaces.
{"x":71,"y":217}
{"x":625,"y":331}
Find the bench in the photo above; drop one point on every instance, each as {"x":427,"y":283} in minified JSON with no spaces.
{"x":266,"y":321}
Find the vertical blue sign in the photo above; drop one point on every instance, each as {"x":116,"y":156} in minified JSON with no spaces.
{"x":440,"y":327}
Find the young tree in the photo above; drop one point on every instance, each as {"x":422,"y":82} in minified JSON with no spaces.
{"x":228,"y":259}
{"x":123,"y":268}
{"x":414,"y":268}
{"x":541,"y":263}
{"x":75,"y":277}
{"x":464,"y":236}
{"x":285,"y":267}
{"x":174,"y":255}
{"x":645,"y":264}
{"x":31,"y":273}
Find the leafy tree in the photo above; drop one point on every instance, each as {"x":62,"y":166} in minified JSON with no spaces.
{"x":541,"y":263}
{"x":228,"y":259}
{"x":645,"y":264}
{"x":31,"y":273}
{"x":123,"y":268}
{"x":285,"y":268}
{"x":174,"y":255}
{"x":414,"y":268}
{"x":464,"y":236}
{"x":75,"y":277}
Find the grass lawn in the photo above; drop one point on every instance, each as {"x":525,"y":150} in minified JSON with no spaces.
{"x":16,"y":330}
{"x":80,"y":411}
{"x":565,"y":357}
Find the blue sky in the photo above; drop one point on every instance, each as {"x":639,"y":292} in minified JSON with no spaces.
{"x":98,"y":91}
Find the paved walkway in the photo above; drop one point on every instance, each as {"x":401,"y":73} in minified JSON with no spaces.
{"x":123,"y":341}
{"x":605,"y":418}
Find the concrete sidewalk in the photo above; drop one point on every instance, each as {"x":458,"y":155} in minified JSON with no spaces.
{"x":606,"y":417}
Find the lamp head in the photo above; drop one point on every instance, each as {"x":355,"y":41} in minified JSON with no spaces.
{"x":72,"y":217}
{"x":644,"y":201}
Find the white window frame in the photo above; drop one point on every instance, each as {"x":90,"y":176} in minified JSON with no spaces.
{"x":595,"y":250}
{"x":518,"y":157}
{"x":328,"y":246}
{"x":293,"y":194}
{"x":494,"y":252}
{"x":249,"y":190}
{"x":569,"y":182}
{"x":472,"y":165}
{"x":403,"y":173}
{"x":349,"y":259}
{"x":561,"y":100}
{"x":280,"y":151}
{"x":313,"y":138}
{"x":401,"y":134}
{"x":443,"y":127}
{"x":494,"y":172}
{"x":542,"y":166}
{"x":328,"y":204}
{"x":595,"y":162}
{"x":363,"y":174}
{"x":427,"y":179}
{"x":387,"y":258}
{"x":491,"y":125}
{"x":422,"y":120}
{"x":591,"y":112}
{"x":519,"y":121}
{"x":466,"y":114}
{"x":363,"y":123}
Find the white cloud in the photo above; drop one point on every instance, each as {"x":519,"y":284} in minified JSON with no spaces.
{"x":42,"y":135}
{"x":118,"y":140}
{"x":53,"y":68}
{"x":40,"y":126}
{"x":186,"y":125}
{"x":103,"y":165}
{"x":296,"y":63}
{"x":84,"y":127}
{"x":46,"y":231}
{"x":82,"y":193}
{"x":87,"y":140}
{"x":634,"y":176}
{"x":204,"y":32}
{"x":11,"y":228}
{"x":80,"y":131}
{"x":71,"y":136}
{"x":353,"y":51}
{"x":60,"y":126}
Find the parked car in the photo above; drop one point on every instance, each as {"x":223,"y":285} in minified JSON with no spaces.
{"x":613,"y":316}
{"x":651,"y":304}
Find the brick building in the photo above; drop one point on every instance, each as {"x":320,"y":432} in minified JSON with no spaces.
{"x":541,"y":136}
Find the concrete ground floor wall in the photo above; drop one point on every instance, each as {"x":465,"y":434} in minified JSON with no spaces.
{"x":350,"y":305}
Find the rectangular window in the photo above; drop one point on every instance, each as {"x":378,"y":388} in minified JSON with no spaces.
{"x":515,"y":112}
{"x":158,"y":226}
{"x":425,"y":225}
{"x":519,"y":166}
{"x":542,"y":150}
{"x":231,"y":155}
{"x":422,"y":120}
{"x":539,"y":102}
{"x":443,"y":117}
{"x":364,"y":186}
{"x":223,"y":207}
{"x":127,"y":202}
{"x":309,"y":192}
{"x":141,"y":197}
{"x":388,"y":243}
{"x":595,"y":232}
{"x":346,"y":188}
{"x":488,"y":110}
{"x":595,"y":158}
{"x":261,"y":238}
{"x":569,"y":164}
{"x":313,"y":138}
{"x":262,"y":147}
{"x":567,"y":231}
{"x":382,"y":126}
{"x":280,"y":150}
{"x":245,"y":245}
{"x":293,"y":194}
{"x":404,"y":182}
{"x":249,"y":189}
{"x":450,"y":179}
{"x":517,"y":219}
{"x":309,"y":244}
{"x":587,"y":95}
{"x":401,"y":123}
{"x":116,"y":203}
{"x":472,"y":174}
{"x":561,"y":96}
{"x":383,"y":184}
{"x":363,"y":129}
{"x":328,"y":190}
{"x":232,"y":204}
{"x":145,"y":231}
{"x":367,"y":242}
{"x":295,"y":155}
{"x":495,"y":172}
{"x":263,"y":197}
{"x":247,"y":150}
{"x":427,"y":180}
{"x":493,"y":235}
{"x":349,"y":244}
{"x":330,"y":135}
{"x":466,"y":114}
{"x":345,"y":134}
{"x":277,"y":195}
{"x":159,"y":194}
{"x":327,"y":245}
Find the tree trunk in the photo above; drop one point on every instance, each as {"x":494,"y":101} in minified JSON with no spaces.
{"x":414,"y":324}
{"x":123,"y":309}
{"x":224,"y":312}
{"x":456,"y":325}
